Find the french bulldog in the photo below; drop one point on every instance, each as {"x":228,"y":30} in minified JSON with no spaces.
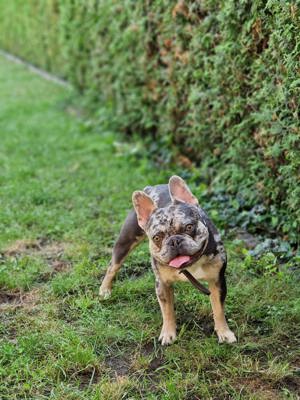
{"x":181,"y":238}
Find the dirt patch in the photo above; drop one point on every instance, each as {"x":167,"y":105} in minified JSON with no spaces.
{"x":122,"y":364}
{"x":86,"y":377}
{"x":156,"y":363}
{"x":267,"y":390}
{"x":292,"y":383}
{"x":43,"y":246}
{"x":195,"y":322}
{"x":15,"y":299}
{"x":118,"y":365}
{"x":148,"y":348}
{"x":9,"y":298}
{"x":257,"y":386}
{"x":157,"y":359}
{"x":51,"y":251}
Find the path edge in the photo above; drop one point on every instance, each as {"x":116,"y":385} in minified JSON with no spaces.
{"x":35,"y":70}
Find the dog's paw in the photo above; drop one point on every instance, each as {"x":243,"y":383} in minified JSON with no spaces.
{"x":104,"y":293}
{"x":226,"y":336}
{"x":167,"y":336}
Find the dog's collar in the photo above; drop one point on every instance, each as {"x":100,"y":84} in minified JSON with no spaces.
{"x":192,"y":279}
{"x":194,"y":282}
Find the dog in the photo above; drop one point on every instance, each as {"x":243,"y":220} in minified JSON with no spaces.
{"x":182,"y":239}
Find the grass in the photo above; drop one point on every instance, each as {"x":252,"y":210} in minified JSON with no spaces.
{"x":65,"y":190}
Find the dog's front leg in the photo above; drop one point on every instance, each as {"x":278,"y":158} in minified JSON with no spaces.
{"x":165,"y":296}
{"x":217,"y":298}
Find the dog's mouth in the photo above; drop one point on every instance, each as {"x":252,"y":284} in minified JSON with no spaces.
{"x":178,"y":261}
{"x":184,"y":261}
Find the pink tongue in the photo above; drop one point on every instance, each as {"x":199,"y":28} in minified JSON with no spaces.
{"x":177,"y":262}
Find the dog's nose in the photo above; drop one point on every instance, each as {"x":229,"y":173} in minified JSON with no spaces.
{"x":175,"y":240}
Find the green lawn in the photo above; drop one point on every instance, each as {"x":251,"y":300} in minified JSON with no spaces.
{"x":64,"y":191}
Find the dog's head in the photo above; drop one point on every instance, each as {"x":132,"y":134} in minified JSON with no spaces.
{"x":177,"y":236}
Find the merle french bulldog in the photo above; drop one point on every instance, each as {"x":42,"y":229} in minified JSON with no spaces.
{"x":181,"y":238}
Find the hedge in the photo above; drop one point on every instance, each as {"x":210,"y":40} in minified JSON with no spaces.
{"x":217,"y":81}
{"x":30,"y":29}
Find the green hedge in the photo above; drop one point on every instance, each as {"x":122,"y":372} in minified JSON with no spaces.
{"x":215,"y":80}
{"x":30,"y":29}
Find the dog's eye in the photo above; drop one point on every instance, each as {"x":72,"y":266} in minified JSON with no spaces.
{"x":156,"y":238}
{"x":189,"y":228}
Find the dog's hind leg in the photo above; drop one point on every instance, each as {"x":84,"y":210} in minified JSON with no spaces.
{"x":130,"y":236}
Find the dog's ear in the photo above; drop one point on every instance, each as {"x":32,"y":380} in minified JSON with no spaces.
{"x":143,"y":206}
{"x":180,"y":191}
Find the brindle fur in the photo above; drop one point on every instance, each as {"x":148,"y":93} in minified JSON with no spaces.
{"x":165,"y":209}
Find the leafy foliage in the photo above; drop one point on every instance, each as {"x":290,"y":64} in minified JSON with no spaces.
{"x":215,"y":80}
{"x":30,"y":30}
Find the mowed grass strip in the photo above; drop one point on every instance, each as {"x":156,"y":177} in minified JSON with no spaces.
{"x":64,"y":194}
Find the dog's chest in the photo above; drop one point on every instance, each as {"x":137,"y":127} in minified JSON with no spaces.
{"x":205,"y":268}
